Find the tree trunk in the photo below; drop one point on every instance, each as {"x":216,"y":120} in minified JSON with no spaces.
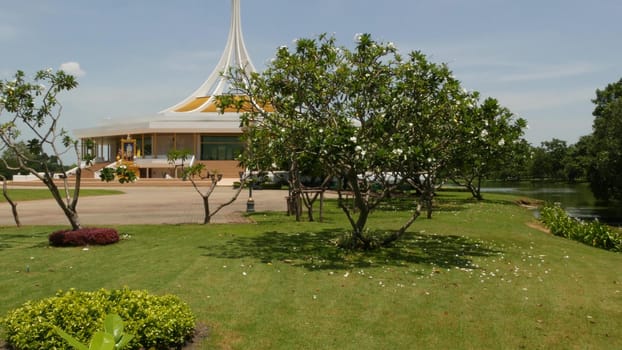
{"x":475,"y":188}
{"x":68,"y":209}
{"x":361,"y":203}
{"x":74,"y":220}
{"x":233,"y":199}
{"x":207,"y":214}
{"x":399,"y":233}
{"x":207,"y":218}
{"x":296,"y":193}
{"x":427,"y":195}
{"x":359,"y":231}
{"x":308,"y":201}
{"x":309,"y":205}
{"x":429,"y":209}
{"x":475,"y":193}
{"x":322,"y":206}
{"x":479,"y":189}
{"x":427,"y":199}
{"x":14,"y":211}
{"x":10,"y":201}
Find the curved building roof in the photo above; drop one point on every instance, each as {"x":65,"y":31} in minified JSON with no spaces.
{"x":198,"y":112}
{"x":235,"y":55}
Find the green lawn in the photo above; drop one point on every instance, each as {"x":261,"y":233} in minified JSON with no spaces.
{"x":29,"y":194}
{"x":476,"y":276}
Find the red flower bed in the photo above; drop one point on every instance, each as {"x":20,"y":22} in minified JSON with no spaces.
{"x":85,"y":236}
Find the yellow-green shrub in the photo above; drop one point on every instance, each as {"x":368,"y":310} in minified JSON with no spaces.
{"x":159,"y":322}
{"x":593,"y":233}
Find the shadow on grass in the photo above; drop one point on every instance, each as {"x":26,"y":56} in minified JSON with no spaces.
{"x":441,"y":203}
{"x":24,"y":240}
{"x":317,"y":250}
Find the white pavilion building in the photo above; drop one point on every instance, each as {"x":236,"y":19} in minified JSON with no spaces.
{"x":195,"y":124}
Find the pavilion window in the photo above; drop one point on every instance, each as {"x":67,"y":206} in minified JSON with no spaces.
{"x":139,"y":145}
{"x":184,"y":142}
{"x":220,"y":147}
{"x":164,"y":143}
{"x":147,"y":148}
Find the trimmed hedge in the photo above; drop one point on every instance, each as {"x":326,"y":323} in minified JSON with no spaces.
{"x":159,"y":322}
{"x":85,"y":236}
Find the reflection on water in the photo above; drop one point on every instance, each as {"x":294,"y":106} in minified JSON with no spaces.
{"x":577,"y":199}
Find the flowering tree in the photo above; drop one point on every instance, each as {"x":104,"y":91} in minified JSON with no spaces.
{"x":426,"y":124}
{"x":286,"y":107}
{"x":32,"y":108}
{"x":491,"y":140}
{"x":367,"y":117}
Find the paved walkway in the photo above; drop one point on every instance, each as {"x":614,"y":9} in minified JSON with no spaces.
{"x":145,"y":205}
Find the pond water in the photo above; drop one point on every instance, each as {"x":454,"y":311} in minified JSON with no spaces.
{"x":577,"y":199}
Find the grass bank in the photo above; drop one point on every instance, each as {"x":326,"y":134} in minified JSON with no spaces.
{"x":476,"y":276}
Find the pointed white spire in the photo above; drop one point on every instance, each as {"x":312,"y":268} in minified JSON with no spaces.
{"x":235,"y":55}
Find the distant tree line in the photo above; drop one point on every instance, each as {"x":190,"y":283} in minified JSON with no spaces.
{"x":554,"y":160}
{"x":596,"y":158}
{"x":36,"y":157}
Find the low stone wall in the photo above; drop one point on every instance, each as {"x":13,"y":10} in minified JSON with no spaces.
{"x":31,"y":177}
{"x":24,"y":178}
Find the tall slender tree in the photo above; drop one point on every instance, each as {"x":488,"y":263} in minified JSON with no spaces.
{"x":32,"y":108}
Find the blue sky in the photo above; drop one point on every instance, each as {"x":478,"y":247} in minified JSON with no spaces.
{"x":542,"y":59}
